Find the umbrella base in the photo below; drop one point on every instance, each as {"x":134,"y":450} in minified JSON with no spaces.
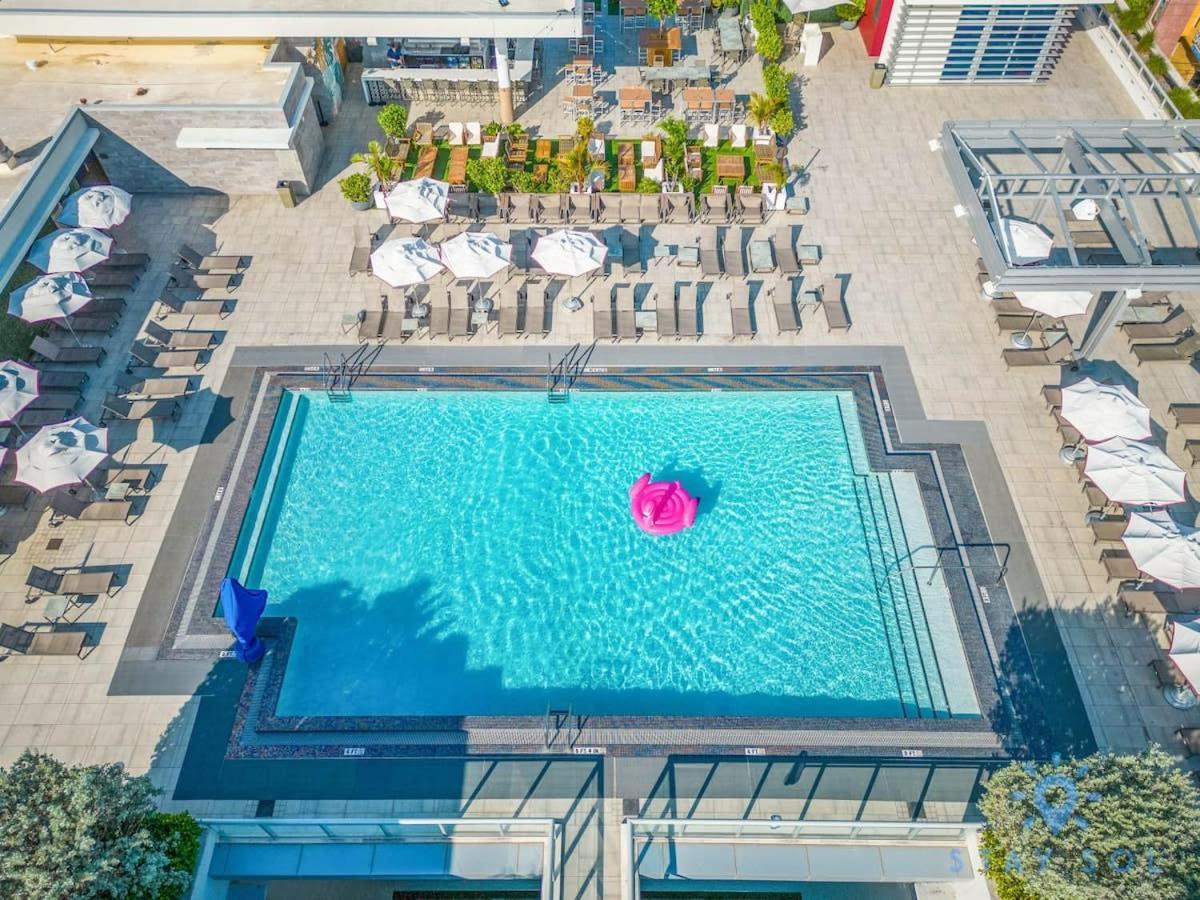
{"x":1071,"y":455}
{"x":1021,"y":340}
{"x":572,"y":304}
{"x":1180,"y":697}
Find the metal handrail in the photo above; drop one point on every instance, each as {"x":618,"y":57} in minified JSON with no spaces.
{"x":1127,"y":50}
{"x":852,"y":830}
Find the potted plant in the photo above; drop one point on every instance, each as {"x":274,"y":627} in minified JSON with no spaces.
{"x":488,"y":175}
{"x":850,"y":13}
{"x":761,"y":110}
{"x":393,"y":120}
{"x":577,"y":167}
{"x":492,"y":128}
{"x":356,"y":188}
{"x":378,"y":163}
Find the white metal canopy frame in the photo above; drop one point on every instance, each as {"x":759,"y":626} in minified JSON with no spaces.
{"x":1141,"y":177}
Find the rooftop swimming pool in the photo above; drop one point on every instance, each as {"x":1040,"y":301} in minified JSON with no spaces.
{"x":471,"y":553}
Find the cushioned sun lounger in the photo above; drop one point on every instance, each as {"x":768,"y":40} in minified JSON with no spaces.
{"x":1054,"y":355}
{"x":833,"y":304}
{"x":180,"y":339}
{"x":731,"y":254}
{"x":664,"y":305}
{"x":1183,"y":349}
{"x":509,"y":307}
{"x":134,"y":410}
{"x":164,"y":358}
{"x":116,"y":277}
{"x":370,"y":324}
{"x":65,"y":506}
{"x":41,"y":643}
{"x":44,"y":349}
{"x":688,"y":318}
{"x":535,"y":307}
{"x":785,"y":312}
{"x":1119,"y":564}
{"x":15,"y":495}
{"x":170,"y":303}
{"x":602,"y":318}
{"x":55,"y":399}
{"x":626,"y":316}
{"x":86,"y":324}
{"x":156,"y":388}
{"x":1158,"y":602}
{"x":785,"y":255}
{"x":460,"y":312}
{"x":650,"y":211}
{"x":137,"y":477}
{"x":1110,"y":528}
{"x":54,"y":379}
{"x":36,"y":418}
{"x":46,"y":581}
{"x":739,"y":310}
{"x":439,"y":314}
{"x":710,"y":262}
{"x":122,"y":260}
{"x":209,"y":262}
{"x":1173,"y":326}
{"x":189,"y":278}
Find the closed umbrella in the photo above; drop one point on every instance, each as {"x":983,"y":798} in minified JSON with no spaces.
{"x":61,"y":454}
{"x":18,"y":388}
{"x":1164,"y":549}
{"x":1027,"y":243}
{"x":1102,"y":411}
{"x":50,"y":297}
{"x":1134,"y":472}
{"x":100,"y":206}
{"x":405,"y":261}
{"x":1184,"y":653}
{"x":420,"y":200}
{"x":70,"y":250}
{"x":1049,"y":303}
{"x":241,"y":608}
{"x":569,"y":252}
{"x":475,"y":254}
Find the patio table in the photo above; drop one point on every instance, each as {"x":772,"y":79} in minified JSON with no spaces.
{"x":691,"y":69}
{"x":761,"y":258}
{"x":729,"y":32}
{"x":731,"y":165}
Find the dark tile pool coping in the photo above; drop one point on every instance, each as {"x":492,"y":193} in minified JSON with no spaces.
{"x":887,"y":405}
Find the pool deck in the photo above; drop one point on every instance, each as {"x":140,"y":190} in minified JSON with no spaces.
{"x":882,"y":211}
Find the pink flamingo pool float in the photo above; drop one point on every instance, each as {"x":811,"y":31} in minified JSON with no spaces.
{"x":661,"y":507}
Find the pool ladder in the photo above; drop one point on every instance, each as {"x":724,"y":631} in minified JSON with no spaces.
{"x":561,"y":376}
{"x":555,"y":722}
{"x":337,"y":378}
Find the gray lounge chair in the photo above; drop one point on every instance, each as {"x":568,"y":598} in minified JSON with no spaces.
{"x":689,"y":325}
{"x":602,"y":318}
{"x":1029,"y":323}
{"x":552,"y":209}
{"x":509,"y":307}
{"x":785,"y":311}
{"x":833,"y":304}
{"x":535,"y":307}
{"x":190,"y":278}
{"x":1177,"y":323}
{"x":168,"y":303}
{"x":710,"y":262}
{"x":360,"y":260}
{"x":164,"y":358}
{"x":137,"y":477}
{"x":1052,"y":394}
{"x":396,"y":327}
{"x":750,"y":208}
{"x":370,"y":324}
{"x":731,"y":254}
{"x":460,"y":312}
{"x":1183,"y":413}
{"x":120,"y":260}
{"x":439,"y":314}
{"x":1183,"y":349}
{"x":85,"y":324}
{"x":614,"y":257}
{"x":1011,"y":306}
{"x":64,"y":401}
{"x":626,"y":315}
{"x":631,"y":252}
{"x":650,"y":210}
{"x":631,"y":209}
{"x":220,"y":263}
{"x":66,"y":506}
{"x":180,"y":339}
{"x":53,"y":379}
{"x":522,"y":247}
{"x":1120,"y":565}
{"x":678,"y":208}
{"x":579,"y":209}
{"x":41,"y":643}
{"x":115,"y":407}
{"x":739,"y":310}
{"x":1149,"y":601}
{"x":664,"y":306}
{"x":716,"y":209}
{"x":102,"y":276}
{"x":15,"y":496}
{"x":608,"y":209}
{"x":111,"y":307}
{"x":785,"y":255}
{"x":1056,"y":354}
{"x":45,"y":350}
{"x":461,"y":207}
{"x":1108,"y":529}
{"x":67,"y":584}
{"x":36,"y":418}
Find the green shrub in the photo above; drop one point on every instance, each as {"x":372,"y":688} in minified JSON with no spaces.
{"x":767,"y":41}
{"x":516,"y":129}
{"x":1185,"y":101}
{"x":179,"y":835}
{"x":849,"y":12}
{"x":661,"y":10}
{"x":356,"y":187}
{"x":16,"y":335}
{"x":1157,"y":65}
{"x":584,"y":126}
{"x":1145,"y":42}
{"x":776,"y":81}
{"x":490,"y":175}
{"x":492,"y":128}
{"x":521,"y":181}
{"x":782,"y":122}
{"x":1132,"y":19}
{"x":1008,"y":886}
{"x":648,"y":186}
{"x":393,"y":119}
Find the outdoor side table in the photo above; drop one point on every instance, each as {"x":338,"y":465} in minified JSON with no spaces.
{"x":688,"y":256}
{"x":118,"y":490}
{"x":796,"y":206}
{"x":646,"y":320}
{"x":807,"y":301}
{"x":809,"y":254}
{"x":56,"y":608}
{"x":761,"y":258}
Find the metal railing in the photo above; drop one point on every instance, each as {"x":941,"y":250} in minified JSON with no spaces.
{"x":1125,"y":56}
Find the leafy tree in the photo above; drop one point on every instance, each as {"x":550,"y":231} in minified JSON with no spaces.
{"x":776,"y":81}
{"x":762,"y":109}
{"x":577,"y":165}
{"x":584,"y":126}
{"x":662,"y":10}
{"x":393,"y":119}
{"x":767,"y":41}
{"x":378,"y":163}
{"x":82,"y":832}
{"x":521,"y":181}
{"x":675,"y":131}
{"x":490,"y":175}
{"x":1104,"y":828}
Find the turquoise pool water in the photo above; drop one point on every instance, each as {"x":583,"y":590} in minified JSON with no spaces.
{"x":472,"y":553}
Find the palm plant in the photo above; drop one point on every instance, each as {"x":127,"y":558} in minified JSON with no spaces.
{"x":577,"y":164}
{"x":378,"y":163}
{"x":761,"y":109}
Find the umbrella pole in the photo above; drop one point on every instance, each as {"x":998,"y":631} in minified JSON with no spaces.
{"x":67,"y":322}
{"x":1022,"y":340}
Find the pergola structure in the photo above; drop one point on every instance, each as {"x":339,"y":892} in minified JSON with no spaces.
{"x":1142,"y":176}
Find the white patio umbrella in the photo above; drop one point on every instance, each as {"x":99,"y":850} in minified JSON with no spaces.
{"x":1102,"y":411}
{"x":1134,"y":472}
{"x":475,"y":254}
{"x":61,"y":454}
{"x":1164,"y":549}
{"x":18,"y":388}
{"x":405,"y":261}
{"x":1055,"y":304}
{"x":1027,"y":243}
{"x":100,"y":206}
{"x":421,"y":200}
{"x":70,"y":250}
{"x":571,"y":253}
{"x":1087,"y":210}
{"x":50,"y":297}
{"x":1184,"y":653}
{"x":799,"y":6}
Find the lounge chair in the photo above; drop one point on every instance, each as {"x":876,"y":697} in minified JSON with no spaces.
{"x":1192,"y":448}
{"x":460,"y":312}
{"x":535,"y":307}
{"x":688,"y":319}
{"x":181,"y":339}
{"x":45,"y":350}
{"x":121,"y":260}
{"x":1177,"y":323}
{"x":1052,"y":394}
{"x":86,"y":324}
{"x":137,"y":477}
{"x":716,"y":209}
{"x":115,"y":407}
{"x":439,"y":314}
{"x":209,"y":262}
{"x":1022,"y":322}
{"x":68,"y":584}
{"x":650,"y":210}
{"x":370,"y":324}
{"x":360,"y":260}
{"x":608,"y":209}
{"x":833,"y":304}
{"x":1148,"y":601}
{"x":190,"y":278}
{"x":631,"y":209}
{"x":785,"y":255}
{"x":680,"y":208}
{"x":56,"y":378}
{"x":579,"y":209}
{"x":614,"y":257}
{"x":1108,"y":529}
{"x":67,"y":506}
{"x":145,"y":354}
{"x":731,"y":254}
{"x":35,"y":418}
{"x":710,"y":262}
{"x":631,"y":252}
{"x":626,"y":315}
{"x":552,"y":209}
{"x":64,"y":401}
{"x":1054,"y":355}
{"x":484,"y":207}
{"x":602,"y":318}
{"x":15,"y":496}
{"x":750,"y":208}
{"x":785,"y":310}
{"x":1120,"y":565}
{"x":110,"y":307}
{"x":170,"y":303}
{"x":396,"y":327}
{"x":664,"y":306}
{"x":739,"y":310}
{"x":509,"y":307}
{"x":102,"y":276}
{"x":1182,"y":349}
{"x":41,"y":643}
{"x":1183,"y":413}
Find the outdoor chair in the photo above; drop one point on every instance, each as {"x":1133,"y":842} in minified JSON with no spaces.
{"x":626,"y":314}
{"x":85,"y":324}
{"x":519,"y":238}
{"x":180,"y":339}
{"x":474,"y":134}
{"x":1192,"y":449}
{"x":731,"y":254}
{"x":370,"y":324}
{"x":750,"y":207}
{"x":210,"y":262}
{"x":41,"y":582}
{"x":15,"y":496}
{"x":1174,"y":325}
{"x":1056,"y":354}
{"x":785,"y":311}
{"x":579,"y":209}
{"x":666,"y":321}
{"x":631,"y":209}
{"x":710,"y":262}
{"x":1052,"y":394}
{"x":712,"y":135}
{"x":650,"y":211}
{"x":1154,"y":601}
{"x":534,"y":321}
{"x":613,"y":256}
{"x":631,"y":252}
{"x":1182,"y":349}
{"x":115,"y":407}
{"x":60,"y":400}
{"x":1026,"y":322}
{"x":397,"y":327}
{"x":737,"y":137}
{"x":29,"y":419}
{"x":45,"y":350}
{"x":123,"y":260}
{"x":113,"y":306}
{"x":1120,"y":565}
{"x":1108,"y":529}
{"x":1182,"y":413}
{"x":67,"y":506}
{"x":460,"y":313}
{"x":785,"y":255}
{"x":716,"y":209}
{"x":552,"y":209}
{"x":602,"y":319}
{"x":679,"y":208}
{"x":522,"y":208}
{"x":833,"y":304}
{"x":739,"y":311}
{"x":188,"y":278}
{"x":688,"y":319}
{"x":461,"y":207}
{"x":509,"y":308}
{"x":169,"y":303}
{"x":145,"y":354}
{"x":102,"y":276}
{"x":56,"y":378}
{"x":439,"y":314}
{"x":41,"y":643}
{"x":608,"y":209}
{"x":155,"y":388}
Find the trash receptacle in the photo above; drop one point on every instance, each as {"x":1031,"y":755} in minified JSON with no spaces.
{"x":287,"y":196}
{"x":878,"y":75}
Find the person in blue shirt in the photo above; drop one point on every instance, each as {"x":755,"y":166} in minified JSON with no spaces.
{"x":393,"y":55}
